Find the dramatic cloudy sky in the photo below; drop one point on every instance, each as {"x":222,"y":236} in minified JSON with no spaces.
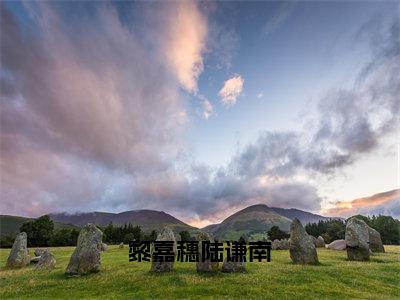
{"x":200,"y":108}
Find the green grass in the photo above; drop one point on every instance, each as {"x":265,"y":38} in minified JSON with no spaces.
{"x":334,"y":278}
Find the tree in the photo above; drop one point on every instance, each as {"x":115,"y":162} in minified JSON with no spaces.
{"x":275,"y":233}
{"x":39,"y":231}
{"x":64,"y":237}
{"x":129,"y":237}
{"x":185,"y":235}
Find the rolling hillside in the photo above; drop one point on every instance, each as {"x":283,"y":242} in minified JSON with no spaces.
{"x":147,"y":219}
{"x":304,"y":216}
{"x":252,"y":220}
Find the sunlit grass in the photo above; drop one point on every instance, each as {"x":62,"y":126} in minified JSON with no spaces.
{"x":335,"y":277}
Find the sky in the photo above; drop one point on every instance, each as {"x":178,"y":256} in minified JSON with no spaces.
{"x":200,"y":109}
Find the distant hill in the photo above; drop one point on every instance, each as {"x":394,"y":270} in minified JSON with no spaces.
{"x":147,"y":219}
{"x":257,"y":219}
{"x":10,"y":225}
{"x":304,"y":216}
{"x":252,"y":220}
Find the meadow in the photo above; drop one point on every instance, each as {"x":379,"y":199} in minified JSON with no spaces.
{"x":334,"y":278}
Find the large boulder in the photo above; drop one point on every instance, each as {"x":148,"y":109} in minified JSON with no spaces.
{"x":301,"y":246}
{"x":233,"y":266}
{"x":320,"y":242}
{"x":375,"y":241}
{"x":46,"y":261}
{"x":164,"y":266}
{"x":86,"y":256}
{"x":207,"y":265}
{"x":19,"y":256}
{"x":337,"y":245}
{"x":357,"y":240}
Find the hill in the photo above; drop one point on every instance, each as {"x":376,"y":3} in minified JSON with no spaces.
{"x":10,"y":225}
{"x":251,"y":221}
{"x":304,"y":216}
{"x":147,"y":219}
{"x":257,"y":219}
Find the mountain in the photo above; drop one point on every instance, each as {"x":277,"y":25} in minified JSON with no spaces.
{"x":10,"y":225}
{"x":251,"y":221}
{"x":147,"y":219}
{"x":304,"y":216}
{"x":257,"y":219}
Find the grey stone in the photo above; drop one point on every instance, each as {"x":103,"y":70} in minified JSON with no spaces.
{"x":314,"y":239}
{"x":337,"y":245}
{"x":375,"y":241}
{"x":357,"y":240}
{"x":164,"y":266}
{"x":320,"y":242}
{"x":40,"y":251}
{"x":207,"y":265}
{"x":280,"y":244}
{"x":19,"y":256}
{"x":302,"y":248}
{"x":233,"y":266}
{"x":104,"y":247}
{"x":86,"y":256}
{"x":46,"y":261}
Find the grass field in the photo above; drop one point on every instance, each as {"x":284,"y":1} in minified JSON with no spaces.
{"x":335,"y":278}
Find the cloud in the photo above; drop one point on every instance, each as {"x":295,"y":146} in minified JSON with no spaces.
{"x":184,"y":42}
{"x":279,"y":17}
{"x":71,"y":134}
{"x":207,"y":109}
{"x":387,"y":203}
{"x":231,"y":90}
{"x":260,"y":94}
{"x":101,"y":127}
{"x":350,"y":123}
{"x":212,"y":194}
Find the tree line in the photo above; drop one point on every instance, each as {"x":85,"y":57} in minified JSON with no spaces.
{"x":334,"y":229}
{"x":42,"y":233}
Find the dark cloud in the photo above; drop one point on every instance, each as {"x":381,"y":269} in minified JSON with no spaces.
{"x":78,"y":108}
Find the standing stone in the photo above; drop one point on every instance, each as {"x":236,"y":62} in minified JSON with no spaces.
{"x":46,"y":261}
{"x":314,"y":239}
{"x":121,"y":246}
{"x":302,"y":248}
{"x":207,"y":265}
{"x":320,"y":242}
{"x":357,"y":240}
{"x":19,"y":256}
{"x":375,"y":241}
{"x":233,"y":266}
{"x":164,"y":266}
{"x":337,"y":245}
{"x":276,"y":244}
{"x":86,"y":257}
